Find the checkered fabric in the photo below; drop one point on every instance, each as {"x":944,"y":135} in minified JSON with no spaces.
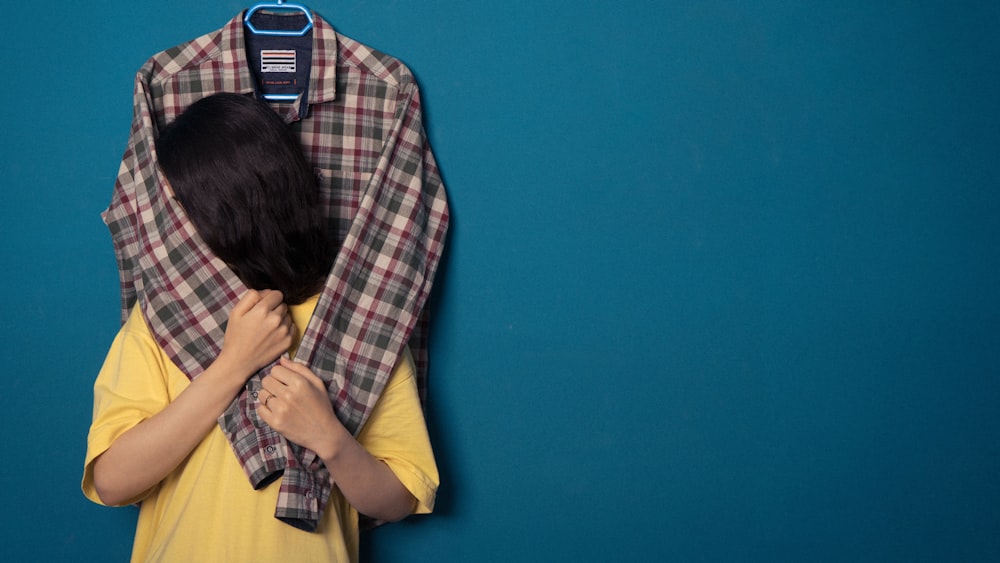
{"x":363,"y":132}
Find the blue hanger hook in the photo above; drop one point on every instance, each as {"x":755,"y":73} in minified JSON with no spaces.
{"x":280,"y":4}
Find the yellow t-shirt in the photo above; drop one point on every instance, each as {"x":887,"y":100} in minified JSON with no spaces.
{"x":206,"y":510}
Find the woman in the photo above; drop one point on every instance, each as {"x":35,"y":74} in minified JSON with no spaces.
{"x":243,"y":181}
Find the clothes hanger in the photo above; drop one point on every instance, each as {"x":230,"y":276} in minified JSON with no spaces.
{"x":279,"y":5}
{"x":282,"y":6}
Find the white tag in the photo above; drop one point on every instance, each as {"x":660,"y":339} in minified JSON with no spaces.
{"x":273,"y":60}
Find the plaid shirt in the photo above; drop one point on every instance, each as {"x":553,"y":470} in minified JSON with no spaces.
{"x":384,"y":200}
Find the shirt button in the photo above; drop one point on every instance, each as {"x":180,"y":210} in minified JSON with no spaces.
{"x":270,"y":449}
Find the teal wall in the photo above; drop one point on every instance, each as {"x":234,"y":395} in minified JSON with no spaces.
{"x":723,"y":282}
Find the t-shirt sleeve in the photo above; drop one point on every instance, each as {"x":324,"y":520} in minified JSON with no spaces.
{"x":396,"y":434}
{"x":129,"y":389}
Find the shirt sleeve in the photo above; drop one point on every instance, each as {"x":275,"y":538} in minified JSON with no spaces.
{"x":129,"y":388}
{"x":396,"y":433}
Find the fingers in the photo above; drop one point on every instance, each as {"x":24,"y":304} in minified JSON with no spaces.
{"x":290,"y":377}
{"x":267,"y":299}
{"x":302,"y":371}
{"x":294,"y":403}
{"x":265,"y":305}
{"x":246,"y":303}
{"x":271,"y":299}
{"x":297,"y":367}
{"x":260,"y":329}
{"x":273,"y":309}
{"x":271,"y":389}
{"x":264,"y":397}
{"x":279,"y":383}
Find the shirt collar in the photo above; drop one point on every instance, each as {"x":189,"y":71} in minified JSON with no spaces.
{"x":323,"y":74}
{"x":236,"y":75}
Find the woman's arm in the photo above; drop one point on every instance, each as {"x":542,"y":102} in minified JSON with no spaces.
{"x":259,"y":330}
{"x":296,"y":404}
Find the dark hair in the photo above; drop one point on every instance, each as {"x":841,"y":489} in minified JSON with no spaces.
{"x":240,"y":174}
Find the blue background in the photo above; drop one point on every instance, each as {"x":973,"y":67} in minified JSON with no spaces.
{"x":722,"y":282}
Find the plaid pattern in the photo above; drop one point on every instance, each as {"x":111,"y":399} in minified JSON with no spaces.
{"x":384,"y":200}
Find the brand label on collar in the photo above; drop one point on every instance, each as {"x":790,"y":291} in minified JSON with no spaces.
{"x":274,"y":60}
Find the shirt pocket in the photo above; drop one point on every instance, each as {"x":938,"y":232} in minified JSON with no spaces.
{"x":340,"y":195}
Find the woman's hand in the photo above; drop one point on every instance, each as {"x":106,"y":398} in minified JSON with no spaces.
{"x":259,"y":330}
{"x":295,"y":403}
